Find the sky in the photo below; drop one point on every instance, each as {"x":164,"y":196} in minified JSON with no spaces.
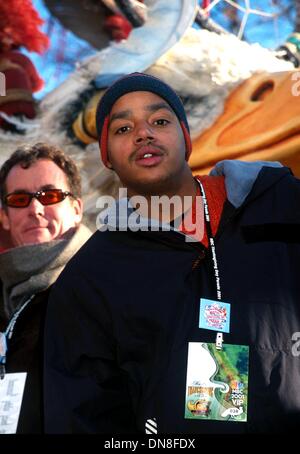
{"x":267,"y":31}
{"x":66,"y":49}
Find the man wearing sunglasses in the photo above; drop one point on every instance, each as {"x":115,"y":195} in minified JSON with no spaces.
{"x":40,"y":191}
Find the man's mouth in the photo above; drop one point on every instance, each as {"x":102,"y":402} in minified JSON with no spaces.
{"x":34,"y":227}
{"x":148,"y":156}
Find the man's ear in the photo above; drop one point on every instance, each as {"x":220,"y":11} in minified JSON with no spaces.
{"x":4,"y":219}
{"x":109,"y":165}
{"x":78,"y":208}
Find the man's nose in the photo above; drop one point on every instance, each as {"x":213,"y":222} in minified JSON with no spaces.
{"x":144,"y":132}
{"x":35,"y":207}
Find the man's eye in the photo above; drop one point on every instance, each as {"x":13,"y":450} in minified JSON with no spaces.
{"x":161,"y":122}
{"x":49,"y":195}
{"x":122,"y":130}
{"x":20,"y":198}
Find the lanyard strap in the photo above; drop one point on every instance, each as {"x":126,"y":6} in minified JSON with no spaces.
{"x":10,"y":328}
{"x":211,"y":244}
{"x":8,"y":335}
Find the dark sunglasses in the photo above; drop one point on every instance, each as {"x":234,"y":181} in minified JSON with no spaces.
{"x":46,"y":197}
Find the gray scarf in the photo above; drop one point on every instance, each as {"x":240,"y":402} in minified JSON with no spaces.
{"x":31,"y":269}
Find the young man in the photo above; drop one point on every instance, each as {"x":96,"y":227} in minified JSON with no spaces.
{"x":171,"y":330}
{"x":41,"y":211}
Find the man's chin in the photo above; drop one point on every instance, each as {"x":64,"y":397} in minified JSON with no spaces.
{"x":42,"y":235}
{"x":36,"y":236}
{"x":150,"y":185}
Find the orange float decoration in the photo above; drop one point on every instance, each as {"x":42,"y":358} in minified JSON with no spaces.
{"x":261,"y":121}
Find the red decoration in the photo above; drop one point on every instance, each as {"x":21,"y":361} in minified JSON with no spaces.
{"x":21,"y":80}
{"x":19,"y":26}
{"x":16,"y":62}
{"x":205,"y":4}
{"x":117,"y":26}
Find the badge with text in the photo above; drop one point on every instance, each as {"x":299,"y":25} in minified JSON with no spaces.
{"x":3,"y":346}
{"x":214,"y":315}
{"x":11,"y":395}
{"x":217,"y":382}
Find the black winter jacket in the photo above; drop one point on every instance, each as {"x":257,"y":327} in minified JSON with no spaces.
{"x":122,"y":313}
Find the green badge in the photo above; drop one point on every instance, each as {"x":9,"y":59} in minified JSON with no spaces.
{"x":217,"y":382}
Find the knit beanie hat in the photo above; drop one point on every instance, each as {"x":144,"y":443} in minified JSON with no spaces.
{"x":138,"y":82}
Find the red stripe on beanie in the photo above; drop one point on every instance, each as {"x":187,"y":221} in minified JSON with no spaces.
{"x":103,"y":141}
{"x":188,"y":141}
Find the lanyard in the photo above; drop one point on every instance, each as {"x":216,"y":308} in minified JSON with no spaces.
{"x":211,"y":244}
{"x":8,"y":335}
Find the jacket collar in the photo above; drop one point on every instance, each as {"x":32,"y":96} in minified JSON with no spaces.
{"x":240,"y":177}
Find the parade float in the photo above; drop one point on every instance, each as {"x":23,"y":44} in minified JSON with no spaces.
{"x":242,"y":101}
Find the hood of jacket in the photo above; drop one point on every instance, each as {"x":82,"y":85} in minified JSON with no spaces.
{"x":240,"y":177}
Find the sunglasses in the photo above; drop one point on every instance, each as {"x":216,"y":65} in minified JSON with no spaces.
{"x":46,"y":197}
